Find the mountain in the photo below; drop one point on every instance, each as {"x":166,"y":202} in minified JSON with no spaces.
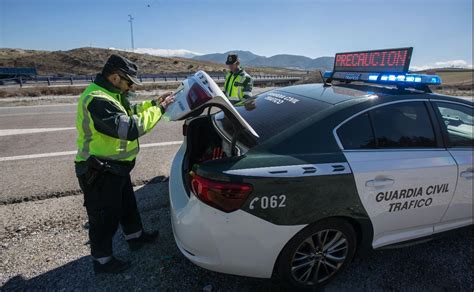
{"x":90,"y":61}
{"x":279,"y":61}
{"x":245,"y":57}
{"x":451,"y":64}
{"x":167,"y":52}
{"x":326,"y":63}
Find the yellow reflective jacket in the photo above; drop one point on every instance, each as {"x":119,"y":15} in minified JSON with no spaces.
{"x":107,"y":126}
{"x":238,"y":85}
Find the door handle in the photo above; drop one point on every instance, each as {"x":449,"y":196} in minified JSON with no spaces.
{"x":467,"y":174}
{"x":379,"y":182}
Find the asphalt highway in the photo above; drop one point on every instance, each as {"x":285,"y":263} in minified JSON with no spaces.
{"x":37,"y":146}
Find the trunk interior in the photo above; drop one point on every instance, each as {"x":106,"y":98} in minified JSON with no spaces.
{"x":201,"y":139}
{"x":203,"y":144}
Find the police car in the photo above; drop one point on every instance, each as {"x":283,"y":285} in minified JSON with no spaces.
{"x":293,"y":182}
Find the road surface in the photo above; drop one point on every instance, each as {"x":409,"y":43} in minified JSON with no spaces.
{"x":43,"y":243}
{"x":38,"y":144}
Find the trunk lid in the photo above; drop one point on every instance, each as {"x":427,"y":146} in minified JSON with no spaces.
{"x":199,"y":92}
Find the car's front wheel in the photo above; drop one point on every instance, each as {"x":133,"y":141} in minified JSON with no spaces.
{"x":317,"y":254}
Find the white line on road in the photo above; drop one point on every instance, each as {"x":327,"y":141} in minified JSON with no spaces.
{"x":67,"y":153}
{"x":160,"y":144}
{"x":31,"y":114}
{"x":9,"y":132}
{"x":33,"y":106}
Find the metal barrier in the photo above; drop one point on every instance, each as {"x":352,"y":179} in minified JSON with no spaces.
{"x":145,"y":78}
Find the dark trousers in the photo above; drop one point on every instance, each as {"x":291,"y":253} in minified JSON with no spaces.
{"x":109,"y":201}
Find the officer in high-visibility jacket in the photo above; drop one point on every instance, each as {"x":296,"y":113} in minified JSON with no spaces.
{"x":108,"y":128}
{"x":238,"y":84}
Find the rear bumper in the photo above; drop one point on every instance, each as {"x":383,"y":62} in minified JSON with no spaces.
{"x":234,"y":243}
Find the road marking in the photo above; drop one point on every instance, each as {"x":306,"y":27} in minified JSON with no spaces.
{"x":160,"y":144}
{"x":10,"y":132}
{"x":36,"y":114}
{"x":33,"y":106}
{"x":67,"y":153}
{"x":42,"y":155}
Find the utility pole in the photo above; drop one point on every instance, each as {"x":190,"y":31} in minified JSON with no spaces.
{"x":130,"y":19}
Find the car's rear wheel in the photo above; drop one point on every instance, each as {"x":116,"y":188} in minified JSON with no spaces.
{"x":317,"y":254}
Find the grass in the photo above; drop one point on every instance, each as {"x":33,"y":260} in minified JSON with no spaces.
{"x":41,"y":91}
{"x":456,"y":78}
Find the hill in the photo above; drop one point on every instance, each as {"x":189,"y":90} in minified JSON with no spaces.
{"x":453,"y":76}
{"x":245,"y":57}
{"x":87,"y":61}
{"x":181,"y":53}
{"x":279,"y":61}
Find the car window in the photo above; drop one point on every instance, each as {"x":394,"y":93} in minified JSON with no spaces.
{"x":458,"y":122}
{"x":357,"y":133}
{"x":270,"y":113}
{"x":403,"y":125}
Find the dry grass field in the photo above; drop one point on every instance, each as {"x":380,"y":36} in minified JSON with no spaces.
{"x":87,"y":61}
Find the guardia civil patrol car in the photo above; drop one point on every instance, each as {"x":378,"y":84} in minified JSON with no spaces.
{"x":294,"y":181}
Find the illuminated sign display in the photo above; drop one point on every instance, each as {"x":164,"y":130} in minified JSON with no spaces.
{"x":391,"y":60}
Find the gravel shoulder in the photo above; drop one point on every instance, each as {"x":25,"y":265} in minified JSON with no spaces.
{"x":43,"y":245}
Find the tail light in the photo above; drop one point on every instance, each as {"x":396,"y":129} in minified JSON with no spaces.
{"x":227,"y":197}
{"x":197,"y":96}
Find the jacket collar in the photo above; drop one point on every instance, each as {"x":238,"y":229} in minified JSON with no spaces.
{"x":239,"y":70}
{"x":104,"y":83}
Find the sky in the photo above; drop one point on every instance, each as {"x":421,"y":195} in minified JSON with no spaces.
{"x":439,"y":30}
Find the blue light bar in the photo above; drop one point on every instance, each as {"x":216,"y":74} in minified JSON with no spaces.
{"x":373,"y":77}
{"x":327,"y":74}
{"x":401,"y":79}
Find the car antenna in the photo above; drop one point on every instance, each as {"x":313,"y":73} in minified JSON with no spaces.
{"x":326,"y":84}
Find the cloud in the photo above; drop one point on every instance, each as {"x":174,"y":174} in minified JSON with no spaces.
{"x":443,"y":64}
{"x":454,"y":63}
{"x":164,"y":52}
{"x":168,"y":52}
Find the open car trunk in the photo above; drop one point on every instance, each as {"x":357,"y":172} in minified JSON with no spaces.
{"x":197,"y":94}
{"x":204,"y":143}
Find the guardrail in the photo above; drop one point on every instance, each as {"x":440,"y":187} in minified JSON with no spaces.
{"x":145,"y":78}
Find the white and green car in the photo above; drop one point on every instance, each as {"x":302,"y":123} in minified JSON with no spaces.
{"x":295,"y":181}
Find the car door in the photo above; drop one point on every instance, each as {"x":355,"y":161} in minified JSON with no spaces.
{"x":404,"y":177}
{"x":457,"y":125}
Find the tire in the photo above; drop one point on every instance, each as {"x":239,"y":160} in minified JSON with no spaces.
{"x":314,"y":256}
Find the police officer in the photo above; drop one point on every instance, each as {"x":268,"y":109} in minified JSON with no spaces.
{"x":108,"y":128}
{"x":238,"y":84}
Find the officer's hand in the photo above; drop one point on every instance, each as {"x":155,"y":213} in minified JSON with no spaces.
{"x":164,"y":95}
{"x":167,"y":101}
{"x":160,"y":100}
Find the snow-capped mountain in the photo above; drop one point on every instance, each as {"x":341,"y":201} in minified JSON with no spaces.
{"x":164,"y":52}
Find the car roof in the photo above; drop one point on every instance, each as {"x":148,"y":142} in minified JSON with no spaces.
{"x":338,"y":93}
{"x":328,"y":94}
